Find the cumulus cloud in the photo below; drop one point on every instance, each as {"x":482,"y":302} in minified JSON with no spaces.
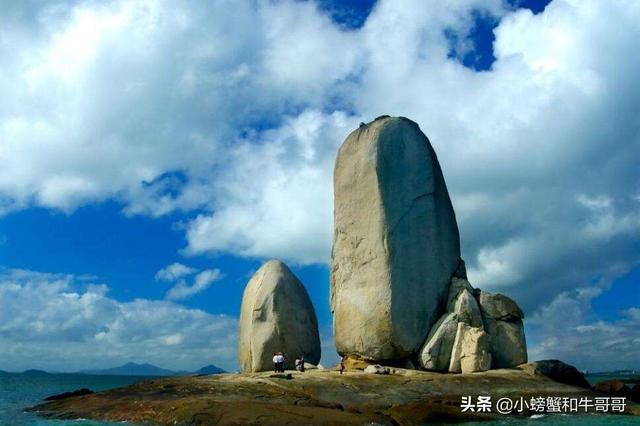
{"x":201,"y":282}
{"x":105,"y":99}
{"x":275,"y":196}
{"x":564,"y":330}
{"x":174,"y":272}
{"x":60,"y":323}
{"x":236,"y":113}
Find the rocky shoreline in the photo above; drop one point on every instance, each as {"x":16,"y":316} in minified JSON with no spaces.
{"x":406,"y":397}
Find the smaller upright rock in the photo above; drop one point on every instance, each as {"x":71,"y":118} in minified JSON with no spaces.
{"x":276,"y":316}
{"x":467,"y":310}
{"x":471,"y":350}
{"x":436,"y":352}
{"x":457,"y":286}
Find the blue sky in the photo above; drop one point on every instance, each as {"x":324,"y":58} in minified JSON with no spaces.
{"x":134,"y":137}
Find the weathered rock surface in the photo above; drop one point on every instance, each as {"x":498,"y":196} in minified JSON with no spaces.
{"x":461,"y":271}
{"x":618,"y":388}
{"x":457,"y":286}
{"x":502,"y":319}
{"x":557,"y":371}
{"x":276,"y":316}
{"x":508,"y":345}
{"x":436,"y":353}
{"x":396,"y":242}
{"x":471,"y":350}
{"x":467,"y":309}
{"x":379,"y":369}
{"x":317,"y":397}
{"x":309,"y":366}
{"x":355,"y":363}
{"x":499,"y":307}
{"x":79,"y":392}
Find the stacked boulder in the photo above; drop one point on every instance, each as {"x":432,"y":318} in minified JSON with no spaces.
{"x":502,"y":319}
{"x":399,"y":289}
{"x":276,"y":316}
{"x":478,"y":332}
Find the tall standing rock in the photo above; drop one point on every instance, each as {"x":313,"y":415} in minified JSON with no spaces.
{"x":396,"y":242}
{"x":276,"y":316}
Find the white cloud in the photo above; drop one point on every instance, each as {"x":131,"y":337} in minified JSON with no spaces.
{"x":174,"y":272}
{"x":274,"y":198}
{"x":177,"y":272}
{"x":201,"y":282}
{"x":58,"y":323}
{"x":237,"y":113}
{"x":565,"y":329}
{"x":104,"y":99}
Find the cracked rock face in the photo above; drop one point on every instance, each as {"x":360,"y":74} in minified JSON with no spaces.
{"x":276,"y":316}
{"x":396,"y":242}
{"x":499,"y":307}
{"x":467,"y":310}
{"x":502,"y":318}
{"x":471,"y":350}
{"x":508,"y":343}
{"x":436,"y":352}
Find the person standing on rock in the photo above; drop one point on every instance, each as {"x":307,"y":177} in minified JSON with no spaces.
{"x":300,"y":364}
{"x":278,"y":360}
{"x":276,"y":367}
{"x":341,"y":365}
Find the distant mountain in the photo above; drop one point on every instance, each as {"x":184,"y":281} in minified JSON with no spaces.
{"x":34,"y":372}
{"x":615,"y":373}
{"x":209,"y":369}
{"x":133,"y":369}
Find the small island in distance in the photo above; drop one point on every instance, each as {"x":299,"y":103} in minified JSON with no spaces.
{"x":145,"y":369}
{"x":132,"y":369}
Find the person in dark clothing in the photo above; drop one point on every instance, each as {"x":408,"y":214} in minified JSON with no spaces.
{"x":300,"y":364}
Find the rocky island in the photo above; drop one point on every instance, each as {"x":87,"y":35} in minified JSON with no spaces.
{"x":414,"y":335}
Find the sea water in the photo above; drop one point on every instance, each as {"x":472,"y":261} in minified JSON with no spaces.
{"x":562,"y":420}
{"x":19,"y":391}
